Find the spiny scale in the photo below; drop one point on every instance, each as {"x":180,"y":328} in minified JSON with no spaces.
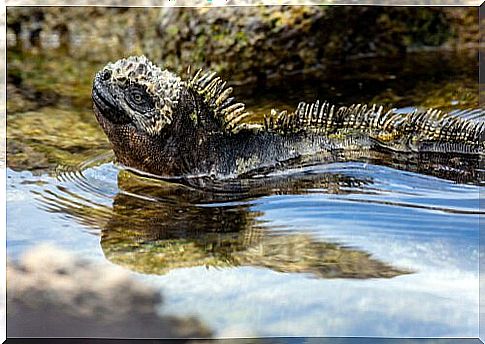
{"x":429,"y":125}
{"x":217,"y":97}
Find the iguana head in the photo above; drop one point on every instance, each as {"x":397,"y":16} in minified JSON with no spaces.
{"x":138,"y":106}
{"x":135,"y":92}
{"x":157,"y":122}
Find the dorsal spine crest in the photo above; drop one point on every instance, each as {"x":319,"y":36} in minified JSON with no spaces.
{"x":419,"y":125}
{"x":217,"y":97}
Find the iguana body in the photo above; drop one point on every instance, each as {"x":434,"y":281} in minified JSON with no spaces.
{"x":163,"y":125}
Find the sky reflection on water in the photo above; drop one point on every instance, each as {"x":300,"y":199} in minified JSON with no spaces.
{"x":440,"y":247}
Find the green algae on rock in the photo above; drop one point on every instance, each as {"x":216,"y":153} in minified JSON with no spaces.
{"x":41,"y":140}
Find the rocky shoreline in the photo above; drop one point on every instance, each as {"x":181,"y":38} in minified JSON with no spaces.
{"x":249,"y":43}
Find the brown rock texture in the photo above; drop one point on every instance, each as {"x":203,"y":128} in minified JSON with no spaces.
{"x":248,"y":43}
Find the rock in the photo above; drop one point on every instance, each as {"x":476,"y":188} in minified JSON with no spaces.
{"x":51,"y":293}
{"x":249,"y":43}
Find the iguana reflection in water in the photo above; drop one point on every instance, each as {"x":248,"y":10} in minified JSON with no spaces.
{"x":154,"y":227}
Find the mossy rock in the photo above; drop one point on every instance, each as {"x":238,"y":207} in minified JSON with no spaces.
{"x":249,"y":43}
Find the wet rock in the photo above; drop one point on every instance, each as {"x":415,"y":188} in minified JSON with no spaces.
{"x":42,"y":139}
{"x":250,"y":43}
{"x":51,"y":293}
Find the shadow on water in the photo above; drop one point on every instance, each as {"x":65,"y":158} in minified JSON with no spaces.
{"x":153,"y":227}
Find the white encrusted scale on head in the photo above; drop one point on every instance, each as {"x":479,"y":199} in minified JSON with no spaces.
{"x":162,"y":85}
{"x":165,"y":87}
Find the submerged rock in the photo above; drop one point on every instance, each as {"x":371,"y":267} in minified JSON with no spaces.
{"x":43,"y":139}
{"x":51,"y":293}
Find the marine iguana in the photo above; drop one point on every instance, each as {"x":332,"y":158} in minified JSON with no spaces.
{"x":163,"y":125}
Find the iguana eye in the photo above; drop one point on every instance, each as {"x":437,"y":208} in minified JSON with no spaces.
{"x":138,"y":99}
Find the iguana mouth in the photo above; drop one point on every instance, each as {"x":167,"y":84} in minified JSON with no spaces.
{"x":104,"y":101}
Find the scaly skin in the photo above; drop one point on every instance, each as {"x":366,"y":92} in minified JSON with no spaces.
{"x":169,"y":127}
